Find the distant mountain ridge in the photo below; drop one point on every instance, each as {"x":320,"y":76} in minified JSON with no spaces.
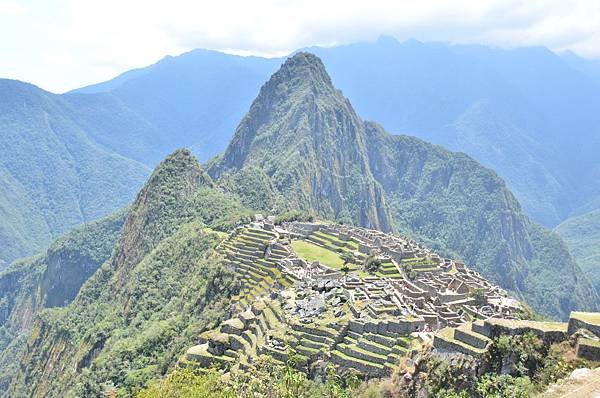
{"x":509,"y":109}
{"x":53,"y":174}
{"x":193,"y":100}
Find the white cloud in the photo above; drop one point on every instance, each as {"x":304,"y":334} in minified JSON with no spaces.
{"x":67,"y":43}
{"x":9,"y":8}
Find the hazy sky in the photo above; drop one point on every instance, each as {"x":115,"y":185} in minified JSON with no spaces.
{"x":64,"y":44}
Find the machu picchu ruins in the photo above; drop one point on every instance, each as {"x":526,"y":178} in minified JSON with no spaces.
{"x":346,"y":295}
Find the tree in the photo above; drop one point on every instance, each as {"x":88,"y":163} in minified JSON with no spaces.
{"x":479,"y":295}
{"x":372,"y":263}
{"x":347,"y":257}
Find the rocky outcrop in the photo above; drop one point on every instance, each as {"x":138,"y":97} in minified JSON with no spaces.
{"x":306,"y":136}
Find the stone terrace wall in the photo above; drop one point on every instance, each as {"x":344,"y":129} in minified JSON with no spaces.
{"x":575,"y":324}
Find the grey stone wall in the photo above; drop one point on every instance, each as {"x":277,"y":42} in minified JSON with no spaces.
{"x":445,"y":345}
{"x":576,"y":324}
{"x":586,"y":351}
{"x":470,"y":339}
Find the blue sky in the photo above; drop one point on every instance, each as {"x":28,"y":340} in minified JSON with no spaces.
{"x":63,"y":44}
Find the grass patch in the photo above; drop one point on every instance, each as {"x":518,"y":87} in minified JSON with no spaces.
{"x":311,"y":252}
{"x":517,"y":324}
{"x":587,"y":317}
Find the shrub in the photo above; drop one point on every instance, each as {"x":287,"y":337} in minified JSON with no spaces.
{"x":294,"y":215}
{"x":504,"y":386}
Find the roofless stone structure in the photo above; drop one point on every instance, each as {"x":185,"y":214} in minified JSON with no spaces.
{"x":346,"y":295}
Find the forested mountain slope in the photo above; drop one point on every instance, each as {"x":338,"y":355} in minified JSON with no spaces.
{"x":51,"y":279}
{"x":305,"y":135}
{"x":53,"y":175}
{"x":524,"y":112}
{"x":144,"y":305}
{"x":307,"y":138}
{"x":582,"y":235}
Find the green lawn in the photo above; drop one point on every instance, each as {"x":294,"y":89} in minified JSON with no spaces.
{"x":311,"y":252}
{"x":592,"y":318}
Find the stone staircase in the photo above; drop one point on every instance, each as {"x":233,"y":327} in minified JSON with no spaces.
{"x":389,"y":270}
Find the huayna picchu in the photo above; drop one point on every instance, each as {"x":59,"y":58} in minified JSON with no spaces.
{"x":351,"y":296}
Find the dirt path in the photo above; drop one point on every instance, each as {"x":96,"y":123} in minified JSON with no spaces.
{"x":589,"y":387}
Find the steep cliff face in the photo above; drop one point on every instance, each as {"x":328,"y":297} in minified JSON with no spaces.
{"x":305,"y":135}
{"x":321,"y":157}
{"x":49,"y":280}
{"x":134,"y":316}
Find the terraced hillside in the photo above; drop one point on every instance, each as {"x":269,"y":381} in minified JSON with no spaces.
{"x":317,"y":293}
{"x":474,"y":338}
{"x":245,"y":252}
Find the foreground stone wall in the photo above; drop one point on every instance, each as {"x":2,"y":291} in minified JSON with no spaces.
{"x":588,"y":349}
{"x":576,"y":323}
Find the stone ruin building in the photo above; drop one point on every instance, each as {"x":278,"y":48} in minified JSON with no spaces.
{"x":339,"y":294}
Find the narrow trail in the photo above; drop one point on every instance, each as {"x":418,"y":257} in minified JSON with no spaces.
{"x":572,"y":388}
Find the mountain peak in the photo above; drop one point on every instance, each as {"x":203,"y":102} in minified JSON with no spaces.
{"x":304,"y":62}
{"x":160,"y":205}
{"x":289,"y":107}
{"x":306,"y":136}
{"x":301,"y":69}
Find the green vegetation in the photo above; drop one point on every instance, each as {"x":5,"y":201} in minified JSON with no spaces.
{"x":293,"y":215}
{"x":304,"y":156}
{"x":311,"y":252}
{"x":409,"y":271}
{"x":254,"y":189}
{"x":347,"y":257}
{"x":163,"y":284}
{"x":53,"y":174}
{"x":29,"y":285}
{"x":582,"y":236}
{"x":371,"y":263}
{"x":504,"y":386}
{"x":267,"y":380}
{"x":516,"y":366}
{"x":552,"y":269}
